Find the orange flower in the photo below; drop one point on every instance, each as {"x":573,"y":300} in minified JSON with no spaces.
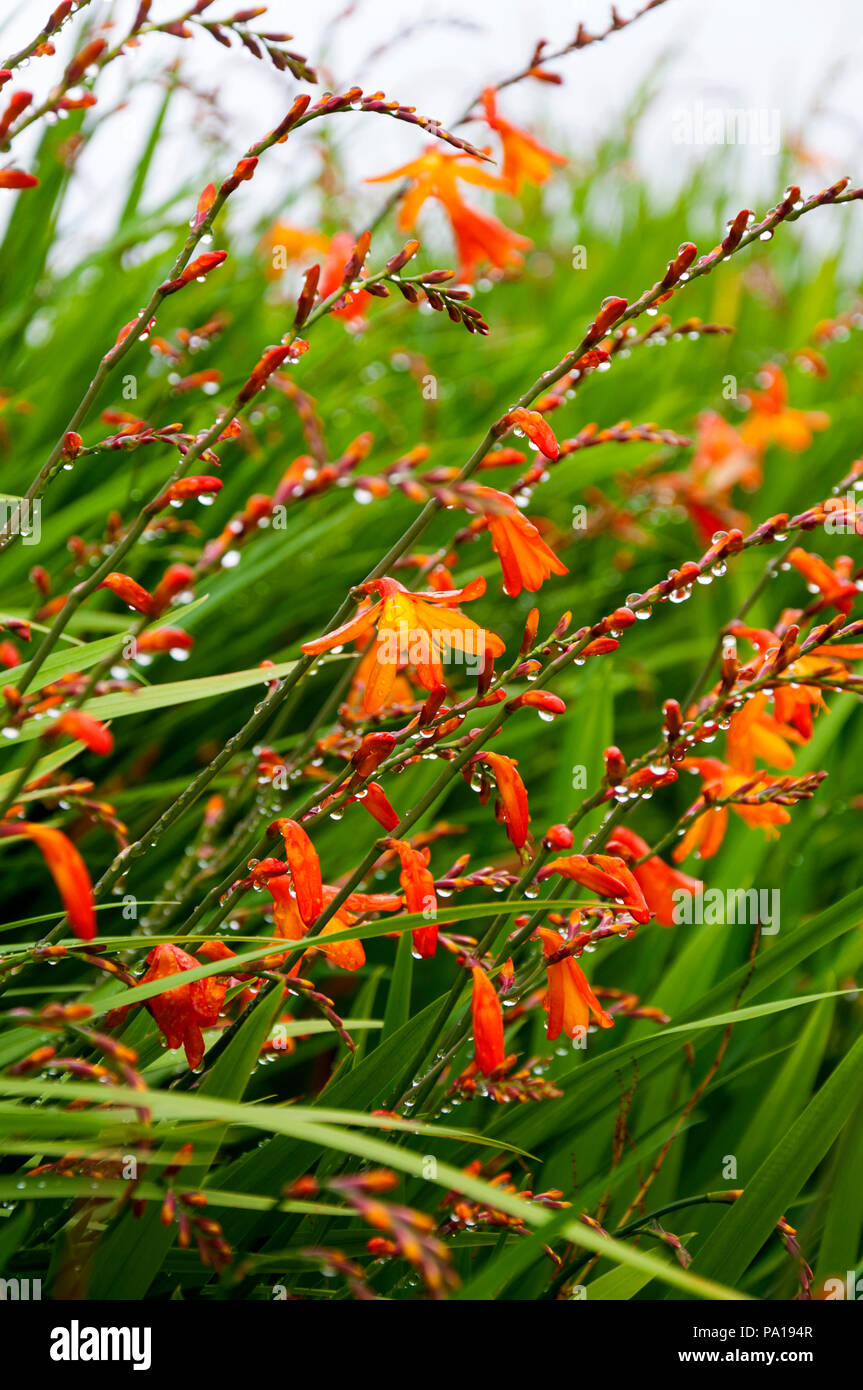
{"x":525,"y":558}
{"x":348,"y":955}
{"x":377,"y":803}
{"x":86,"y":729}
{"x":487,"y":1024}
{"x":770,"y":419}
{"x":305,"y":869}
{"x":537,"y":429}
{"x":753,"y":733}
{"x":525,"y":160}
{"x":604,"y":874}
{"x":285,"y":243}
{"x":68,"y":871}
{"x":836,"y":587}
{"x":656,"y":879}
{"x":480,"y":238}
{"x":355,"y":303}
{"x":569,"y":1002}
{"x":182,"y":1012}
{"x":512,"y":807}
{"x":419,"y":890}
{"x":410,"y":630}
{"x":706,"y":834}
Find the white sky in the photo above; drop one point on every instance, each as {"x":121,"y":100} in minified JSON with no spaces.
{"x":789,"y":57}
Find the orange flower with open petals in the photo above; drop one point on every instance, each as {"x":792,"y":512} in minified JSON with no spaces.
{"x":835,"y":585}
{"x":569,"y":1002}
{"x":656,"y":879}
{"x":411,"y":631}
{"x":772,"y":421}
{"x":525,"y":558}
{"x":705,"y":835}
{"x":525,"y":160}
{"x":305,"y":869}
{"x":487,"y":1017}
{"x":68,"y":871}
{"x":481,"y":239}
{"x":183,"y":1011}
{"x":418,"y":884}
{"x":512,"y":807}
{"x":753,"y":733}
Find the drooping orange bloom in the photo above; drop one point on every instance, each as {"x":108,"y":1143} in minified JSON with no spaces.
{"x":88,"y":730}
{"x":181,"y":1013}
{"x":605,"y":874}
{"x":411,"y":631}
{"x":835,"y":585}
{"x":771,"y":420}
{"x":305,"y":869}
{"x":706,"y":834}
{"x":418,"y":883}
{"x":525,"y":159}
{"x":569,"y":1002}
{"x":512,"y":807}
{"x":656,"y":879}
{"x":481,"y":239}
{"x":67,"y":869}
{"x":347,"y":955}
{"x":487,"y":1018}
{"x":525,"y":558}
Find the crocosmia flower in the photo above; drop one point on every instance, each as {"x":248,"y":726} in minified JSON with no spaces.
{"x":569,"y":1002}
{"x":68,"y":870}
{"x":525,"y":558}
{"x":182,"y":1012}
{"x":305,"y":869}
{"x":487,"y":1024}
{"x":512,"y":796}
{"x":418,"y":884}
{"x":414,"y":629}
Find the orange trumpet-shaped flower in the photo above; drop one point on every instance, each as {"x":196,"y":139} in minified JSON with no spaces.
{"x":418,"y":883}
{"x":512,"y":807}
{"x":525,"y":558}
{"x":706,"y":834}
{"x":569,"y":1002}
{"x":836,"y":587}
{"x":481,"y":239}
{"x":656,"y":879}
{"x":525,"y":160}
{"x":182,"y":1012}
{"x":604,"y":874}
{"x":772,"y":421}
{"x":487,"y":1018}
{"x":348,"y":955}
{"x":411,"y":630}
{"x":305,"y":869}
{"x":484,"y":240}
{"x":68,"y":871}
